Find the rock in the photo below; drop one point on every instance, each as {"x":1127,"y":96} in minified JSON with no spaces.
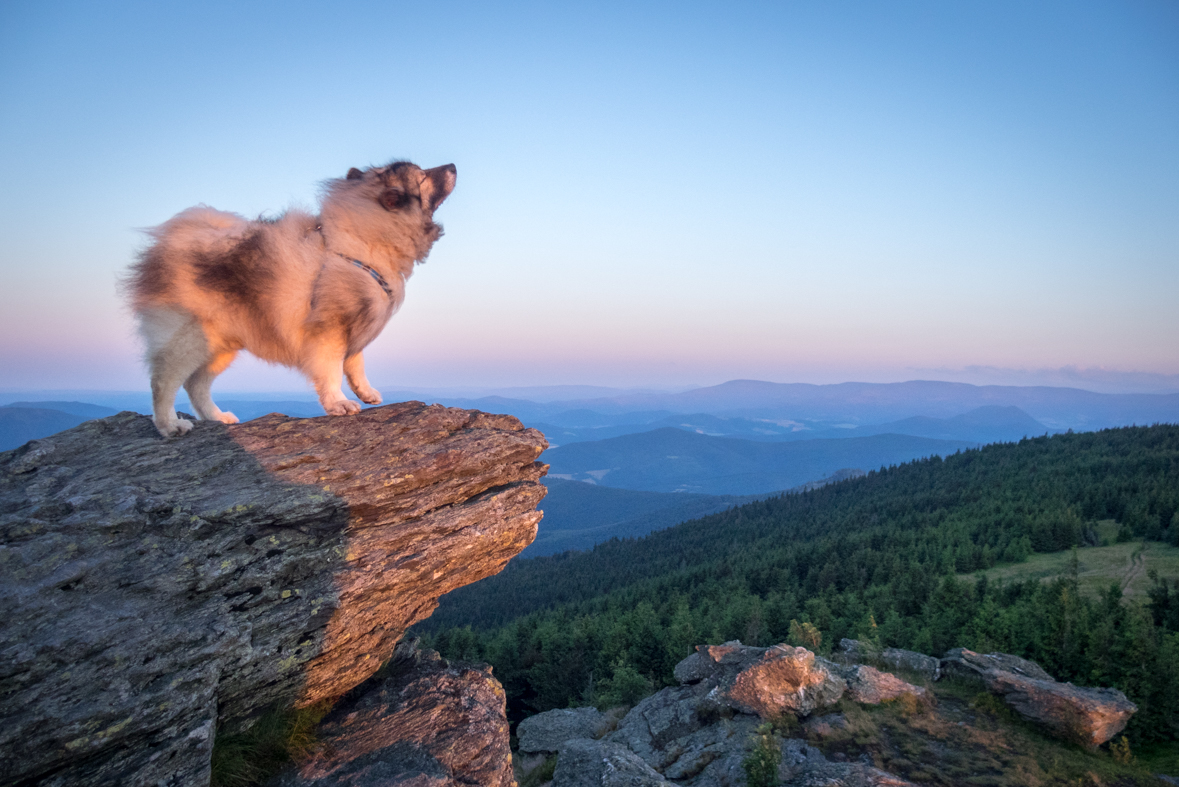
{"x":666,"y":731}
{"x":766,"y":682}
{"x":429,"y":722}
{"x":1086,"y":716}
{"x":653,"y":727}
{"x":916,"y":663}
{"x":157,"y":590}
{"x":582,"y":762}
{"x":908,"y":660}
{"x":968,"y":665}
{"x":871,"y":686}
{"x":545,"y":732}
{"x":825,"y":726}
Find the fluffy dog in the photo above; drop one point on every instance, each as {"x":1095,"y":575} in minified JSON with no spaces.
{"x":305,"y":291}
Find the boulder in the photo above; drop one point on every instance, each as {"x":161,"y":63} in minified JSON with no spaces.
{"x":157,"y":590}
{"x":668,"y":733}
{"x":654,"y":728}
{"x":582,"y":762}
{"x":766,"y":682}
{"x":545,"y":732}
{"x":968,"y":665}
{"x":428,"y":722}
{"x":909,"y":661}
{"x":871,"y":686}
{"x":1088,"y":716}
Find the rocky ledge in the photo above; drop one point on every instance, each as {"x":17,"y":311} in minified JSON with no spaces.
{"x":158,"y":590}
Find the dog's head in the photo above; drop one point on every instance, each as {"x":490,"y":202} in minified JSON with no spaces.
{"x":397,"y":201}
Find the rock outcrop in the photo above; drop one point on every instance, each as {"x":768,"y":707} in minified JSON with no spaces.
{"x":546,"y":732}
{"x":766,"y":682}
{"x":157,"y":590}
{"x":699,"y":734}
{"x":429,"y":722}
{"x":1086,"y":716}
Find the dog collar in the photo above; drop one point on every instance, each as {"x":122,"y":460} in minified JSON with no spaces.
{"x":371,"y":270}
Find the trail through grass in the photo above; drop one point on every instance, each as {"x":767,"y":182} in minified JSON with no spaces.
{"x":1127,"y":564}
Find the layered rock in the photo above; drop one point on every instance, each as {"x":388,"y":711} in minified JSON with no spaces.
{"x":429,"y":722}
{"x":1086,"y":716}
{"x":156,"y":590}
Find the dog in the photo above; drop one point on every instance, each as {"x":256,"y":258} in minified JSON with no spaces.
{"x":309,"y":292}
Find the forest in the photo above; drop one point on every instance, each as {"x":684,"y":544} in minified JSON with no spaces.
{"x":873,"y":558}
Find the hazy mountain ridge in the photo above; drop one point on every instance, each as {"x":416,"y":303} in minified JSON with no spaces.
{"x":674,"y":460}
{"x":579,"y":515}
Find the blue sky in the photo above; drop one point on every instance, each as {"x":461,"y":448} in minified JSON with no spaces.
{"x":648,"y":194}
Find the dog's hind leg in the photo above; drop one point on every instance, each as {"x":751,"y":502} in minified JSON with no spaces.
{"x":199,"y":383}
{"x":354,"y":371}
{"x":324,"y":365}
{"x":176,"y":348}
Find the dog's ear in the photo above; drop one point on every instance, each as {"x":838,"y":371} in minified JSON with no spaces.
{"x":354,"y":174}
{"x":437,"y":184}
{"x":392,"y":199}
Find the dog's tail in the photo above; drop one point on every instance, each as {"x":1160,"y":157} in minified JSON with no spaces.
{"x":199,"y":232}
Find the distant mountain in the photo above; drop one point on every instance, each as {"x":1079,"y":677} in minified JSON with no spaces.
{"x":19,"y":425}
{"x":578,"y":515}
{"x":83,"y":409}
{"x":990,"y":424}
{"x":873,"y":403}
{"x":674,"y":460}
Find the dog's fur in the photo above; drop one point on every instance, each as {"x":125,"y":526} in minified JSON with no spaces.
{"x":288,"y":290}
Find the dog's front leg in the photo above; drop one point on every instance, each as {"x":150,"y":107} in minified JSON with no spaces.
{"x":325,"y":368}
{"x":354,"y":370}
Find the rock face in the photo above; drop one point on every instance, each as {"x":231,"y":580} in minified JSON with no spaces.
{"x":766,"y":682}
{"x":428,"y":723}
{"x":1086,"y":716}
{"x":157,"y":590}
{"x":545,"y":732}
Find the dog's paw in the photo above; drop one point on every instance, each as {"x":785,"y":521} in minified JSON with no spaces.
{"x":369,"y":395}
{"x":342,"y":407}
{"x":227,"y":418}
{"x":175,"y":427}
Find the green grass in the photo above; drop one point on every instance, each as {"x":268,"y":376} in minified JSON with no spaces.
{"x":1126,"y":563}
{"x":251,"y":757}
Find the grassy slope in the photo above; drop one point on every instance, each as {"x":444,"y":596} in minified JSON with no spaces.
{"x":1127,"y":564}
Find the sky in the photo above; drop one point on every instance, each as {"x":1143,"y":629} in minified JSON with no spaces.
{"x":649,"y":194}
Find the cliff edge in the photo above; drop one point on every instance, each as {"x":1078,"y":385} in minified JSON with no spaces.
{"x":155,"y":591}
